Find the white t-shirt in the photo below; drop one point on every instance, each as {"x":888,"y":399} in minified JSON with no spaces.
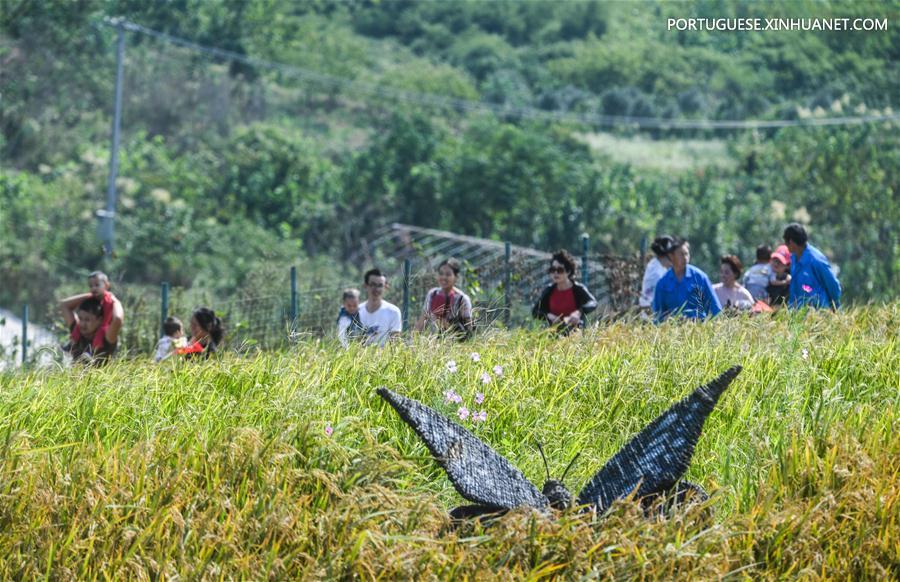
{"x":652,"y":274}
{"x":381,"y":323}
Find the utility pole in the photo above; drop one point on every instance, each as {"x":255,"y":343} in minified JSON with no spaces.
{"x":108,"y":214}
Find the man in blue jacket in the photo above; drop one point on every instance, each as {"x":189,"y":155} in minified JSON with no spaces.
{"x":684,"y":290}
{"x":813,"y":282}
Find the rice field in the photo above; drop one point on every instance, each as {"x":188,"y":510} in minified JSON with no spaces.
{"x":288,"y":465}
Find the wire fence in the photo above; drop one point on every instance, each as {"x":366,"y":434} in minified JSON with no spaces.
{"x":503,"y":289}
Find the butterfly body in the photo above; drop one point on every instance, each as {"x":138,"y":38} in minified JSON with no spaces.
{"x":650,"y":465}
{"x":558,"y":496}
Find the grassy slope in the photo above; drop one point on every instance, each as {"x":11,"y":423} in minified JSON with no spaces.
{"x":223,"y":469}
{"x":663,"y":155}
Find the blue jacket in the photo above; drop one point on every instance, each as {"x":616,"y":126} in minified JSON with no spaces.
{"x":812,"y":281}
{"x":691,"y":297}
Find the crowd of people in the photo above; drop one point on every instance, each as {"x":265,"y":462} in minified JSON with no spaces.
{"x":796,"y":274}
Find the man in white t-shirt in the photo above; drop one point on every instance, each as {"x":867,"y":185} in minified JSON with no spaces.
{"x":381,"y":319}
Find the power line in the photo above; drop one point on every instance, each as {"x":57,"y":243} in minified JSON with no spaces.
{"x":434,"y":100}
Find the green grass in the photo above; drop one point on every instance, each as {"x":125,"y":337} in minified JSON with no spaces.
{"x":222,"y":469}
{"x":658,"y":154}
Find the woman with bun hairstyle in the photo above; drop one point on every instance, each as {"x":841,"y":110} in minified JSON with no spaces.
{"x":656,"y":268}
{"x":207,"y":333}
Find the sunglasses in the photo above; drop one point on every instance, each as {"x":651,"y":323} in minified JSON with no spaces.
{"x":559,"y":270}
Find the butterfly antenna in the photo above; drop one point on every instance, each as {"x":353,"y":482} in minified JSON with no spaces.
{"x":572,"y":462}
{"x":546,"y":467}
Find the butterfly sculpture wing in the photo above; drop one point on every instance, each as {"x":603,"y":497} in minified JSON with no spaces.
{"x":477,"y":472}
{"x":654,"y":460}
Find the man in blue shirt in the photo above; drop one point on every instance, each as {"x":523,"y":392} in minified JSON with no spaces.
{"x":812,"y":281}
{"x":684,"y":290}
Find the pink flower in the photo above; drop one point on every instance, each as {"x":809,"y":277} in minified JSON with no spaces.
{"x":485,"y":378}
{"x":463,"y":413}
{"x":479,"y":398}
{"x":498,"y":371}
{"x":451,"y":366}
{"x":329,"y":430}
{"x":452,"y":396}
{"x":479,"y":416}
{"x":807,"y":288}
{"x":476,"y":357}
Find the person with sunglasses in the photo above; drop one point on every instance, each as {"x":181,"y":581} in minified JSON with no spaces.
{"x":565,"y":301}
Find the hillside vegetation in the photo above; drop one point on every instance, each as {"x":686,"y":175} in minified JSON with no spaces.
{"x":226,"y":469}
{"x":229,"y":167}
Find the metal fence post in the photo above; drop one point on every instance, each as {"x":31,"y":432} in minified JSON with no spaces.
{"x":24,"y":335}
{"x":163,"y":306}
{"x":406,"y":269}
{"x":295,"y":307}
{"x":108,"y":214}
{"x":585,"y":249}
{"x":507,"y":283}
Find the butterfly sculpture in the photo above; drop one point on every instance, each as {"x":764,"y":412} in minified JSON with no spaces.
{"x":649,"y":465}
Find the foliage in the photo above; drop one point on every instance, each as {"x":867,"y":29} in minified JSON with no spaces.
{"x":227,"y":166}
{"x":226,"y":469}
{"x":50,"y":232}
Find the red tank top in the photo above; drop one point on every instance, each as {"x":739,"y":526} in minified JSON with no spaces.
{"x":563,"y":303}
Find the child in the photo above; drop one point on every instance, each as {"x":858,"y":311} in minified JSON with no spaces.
{"x":348,"y":323}
{"x":756,"y":279}
{"x":780,"y":279}
{"x":172,"y":339}
{"x":98,"y":283}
